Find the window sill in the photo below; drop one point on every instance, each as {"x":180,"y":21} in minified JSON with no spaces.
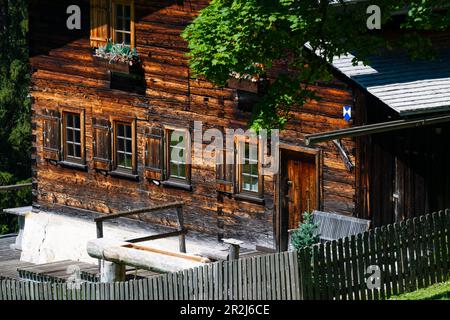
{"x":178,"y":185}
{"x":73,"y":165}
{"x":249,"y":198}
{"x":124,"y":175}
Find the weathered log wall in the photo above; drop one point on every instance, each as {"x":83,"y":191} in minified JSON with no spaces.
{"x":65,"y":76}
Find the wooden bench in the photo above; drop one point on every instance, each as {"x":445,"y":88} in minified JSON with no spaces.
{"x":334,"y":226}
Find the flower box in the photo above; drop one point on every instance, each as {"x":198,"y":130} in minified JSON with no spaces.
{"x":115,"y":66}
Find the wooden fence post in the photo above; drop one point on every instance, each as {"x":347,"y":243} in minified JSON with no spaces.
{"x":182,"y":237}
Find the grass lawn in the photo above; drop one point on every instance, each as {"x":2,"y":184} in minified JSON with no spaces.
{"x":440,"y":291}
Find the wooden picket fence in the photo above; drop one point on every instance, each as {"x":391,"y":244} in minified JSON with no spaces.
{"x":266,"y":277}
{"x":409,"y":255}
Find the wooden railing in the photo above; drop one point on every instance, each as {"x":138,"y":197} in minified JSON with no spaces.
{"x":180,"y":232}
{"x":15,"y":187}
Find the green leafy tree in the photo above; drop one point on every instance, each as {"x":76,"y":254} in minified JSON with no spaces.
{"x":306,"y":235}
{"x":15,"y":127}
{"x":246,"y":37}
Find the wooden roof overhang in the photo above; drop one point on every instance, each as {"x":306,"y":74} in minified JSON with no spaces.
{"x":358,"y":131}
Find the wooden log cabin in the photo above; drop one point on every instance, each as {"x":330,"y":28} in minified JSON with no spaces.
{"x":102,"y":141}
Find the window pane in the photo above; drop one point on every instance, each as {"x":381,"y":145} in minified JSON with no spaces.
{"x":246,"y":183}
{"x":120,"y":160}
{"x":78,"y":151}
{"x":127,"y":13}
{"x":119,"y":38}
{"x":69,"y":135}
{"x":173,"y":169}
{"x":119,"y":23}
{"x":128,"y":161}
{"x":177,"y":138}
{"x":128,"y":145}
{"x":77,"y":136}
{"x":77,"y":122}
{"x":182,"y":171}
{"x":69,"y":149}
{"x":128,"y":131}
{"x":120,"y":144}
{"x":120,"y":130}
{"x":127,"y":40}
{"x":69,"y":120}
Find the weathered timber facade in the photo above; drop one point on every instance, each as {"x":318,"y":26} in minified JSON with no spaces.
{"x":66,"y":80}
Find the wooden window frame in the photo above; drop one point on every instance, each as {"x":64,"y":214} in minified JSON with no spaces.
{"x":116,"y":170}
{"x":253,"y":196}
{"x":114,"y":17}
{"x":174,"y":181}
{"x":68,"y":160}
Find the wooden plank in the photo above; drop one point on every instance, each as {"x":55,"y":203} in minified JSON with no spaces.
{"x":215,"y":281}
{"x":277,"y":277}
{"x":282,"y":277}
{"x":348,"y":269}
{"x":444,"y":245}
{"x":242,"y":289}
{"x":447,"y":234}
{"x":220,"y":282}
{"x":386,"y":272}
{"x":235,"y":279}
{"x":249,"y":279}
{"x":117,"y":291}
{"x":342,"y":273}
{"x":244,"y":283}
{"x":361,"y":267}
{"x":380,"y":262}
{"x":373,"y":260}
{"x":400,"y":268}
{"x":195,"y":283}
{"x":354,"y":264}
{"x":316,"y":273}
{"x":255,"y":278}
{"x":421,"y":246}
{"x":226,"y":290}
{"x":337,"y":290}
{"x":269,"y":276}
{"x":393,"y":272}
{"x":200,"y":284}
{"x":411,"y":256}
{"x":264,"y":277}
{"x":187,"y":287}
{"x":437,"y":246}
{"x":328,"y":262}
{"x":170,"y":286}
{"x":403,"y":234}
{"x":178,"y":290}
{"x":431,"y":248}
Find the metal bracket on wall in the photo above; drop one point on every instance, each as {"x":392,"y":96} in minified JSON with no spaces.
{"x":348,"y":163}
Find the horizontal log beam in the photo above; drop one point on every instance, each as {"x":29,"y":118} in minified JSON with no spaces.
{"x":159,"y":236}
{"x":139,"y":211}
{"x":15,"y":187}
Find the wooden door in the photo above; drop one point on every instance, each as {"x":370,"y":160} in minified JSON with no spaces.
{"x":298,"y":191}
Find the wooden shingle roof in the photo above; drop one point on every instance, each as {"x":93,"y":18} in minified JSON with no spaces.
{"x":408,"y":87}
